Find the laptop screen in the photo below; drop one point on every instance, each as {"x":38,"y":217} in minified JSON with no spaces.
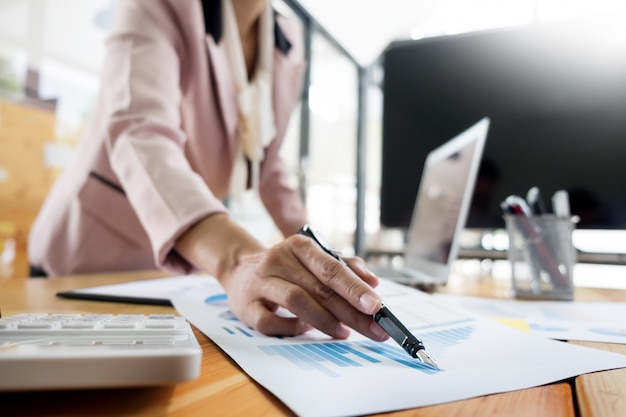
{"x":443,"y":201}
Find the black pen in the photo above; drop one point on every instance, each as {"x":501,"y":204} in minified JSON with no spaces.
{"x":384,"y":317}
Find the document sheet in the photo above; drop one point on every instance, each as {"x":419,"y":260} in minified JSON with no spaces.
{"x":317,"y":376}
{"x":562,"y":320}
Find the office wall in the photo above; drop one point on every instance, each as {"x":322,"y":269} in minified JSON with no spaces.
{"x":25,"y":179}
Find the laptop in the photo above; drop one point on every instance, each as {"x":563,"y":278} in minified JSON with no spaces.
{"x":441,"y":208}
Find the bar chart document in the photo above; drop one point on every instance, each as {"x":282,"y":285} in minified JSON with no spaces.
{"x":587,"y":321}
{"x":318,"y":376}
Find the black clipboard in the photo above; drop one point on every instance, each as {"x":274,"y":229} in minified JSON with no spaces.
{"x":154,"y":291}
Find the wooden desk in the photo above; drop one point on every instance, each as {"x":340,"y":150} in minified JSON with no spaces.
{"x":223,"y":389}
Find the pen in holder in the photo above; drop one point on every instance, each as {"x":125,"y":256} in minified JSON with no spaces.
{"x":542,"y":256}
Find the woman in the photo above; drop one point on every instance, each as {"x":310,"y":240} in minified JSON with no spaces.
{"x":195,"y":100}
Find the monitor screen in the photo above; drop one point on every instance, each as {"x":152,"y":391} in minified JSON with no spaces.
{"x":556,"y":97}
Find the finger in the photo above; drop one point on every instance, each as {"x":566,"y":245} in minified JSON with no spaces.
{"x":303,"y":305}
{"x":305,"y":295}
{"x":322,"y":308}
{"x":347,"y":314}
{"x":359,"y":267}
{"x":319,"y":305}
{"x":335,"y":275}
{"x":286,"y":283}
{"x":272,"y":324}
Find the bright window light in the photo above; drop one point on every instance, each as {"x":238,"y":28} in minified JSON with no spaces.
{"x":600,"y":276}
{"x":322,"y":103}
{"x":459,"y":16}
{"x":600,"y":241}
{"x":567,"y":9}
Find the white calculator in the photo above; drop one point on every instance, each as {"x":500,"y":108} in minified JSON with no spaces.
{"x":78,"y":351}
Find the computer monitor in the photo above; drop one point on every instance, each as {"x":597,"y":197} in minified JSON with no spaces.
{"x":556,"y":97}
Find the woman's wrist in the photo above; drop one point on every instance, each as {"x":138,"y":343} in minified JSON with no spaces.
{"x":216,"y":245}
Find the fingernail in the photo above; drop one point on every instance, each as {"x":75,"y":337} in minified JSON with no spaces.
{"x":342,"y":331}
{"x":369,"y":303}
{"x":378,"y":331}
{"x":304,"y":327}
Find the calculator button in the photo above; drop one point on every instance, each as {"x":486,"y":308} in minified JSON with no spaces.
{"x":6,"y":324}
{"x":120,"y":325}
{"x":39,"y":324}
{"x":79,"y":324}
{"x":160,"y":324}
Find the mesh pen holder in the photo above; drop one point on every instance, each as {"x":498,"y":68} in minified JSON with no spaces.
{"x":542,"y":256}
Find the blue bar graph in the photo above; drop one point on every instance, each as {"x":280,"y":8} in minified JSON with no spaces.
{"x":244,"y":332}
{"x":241,"y":330}
{"x":439,"y":341}
{"x":330,"y":357}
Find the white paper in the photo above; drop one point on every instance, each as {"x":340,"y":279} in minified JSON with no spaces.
{"x":562,"y":320}
{"x":316,"y":376}
{"x":157,"y":289}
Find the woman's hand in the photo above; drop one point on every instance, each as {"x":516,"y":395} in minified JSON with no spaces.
{"x":298,"y":276}
{"x":295,"y":274}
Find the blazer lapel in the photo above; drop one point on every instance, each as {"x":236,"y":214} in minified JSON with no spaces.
{"x":223,"y":82}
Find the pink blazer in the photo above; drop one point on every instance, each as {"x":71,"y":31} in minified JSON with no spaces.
{"x":158,"y":153}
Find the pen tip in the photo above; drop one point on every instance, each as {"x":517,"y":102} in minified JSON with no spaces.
{"x":425,"y":357}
